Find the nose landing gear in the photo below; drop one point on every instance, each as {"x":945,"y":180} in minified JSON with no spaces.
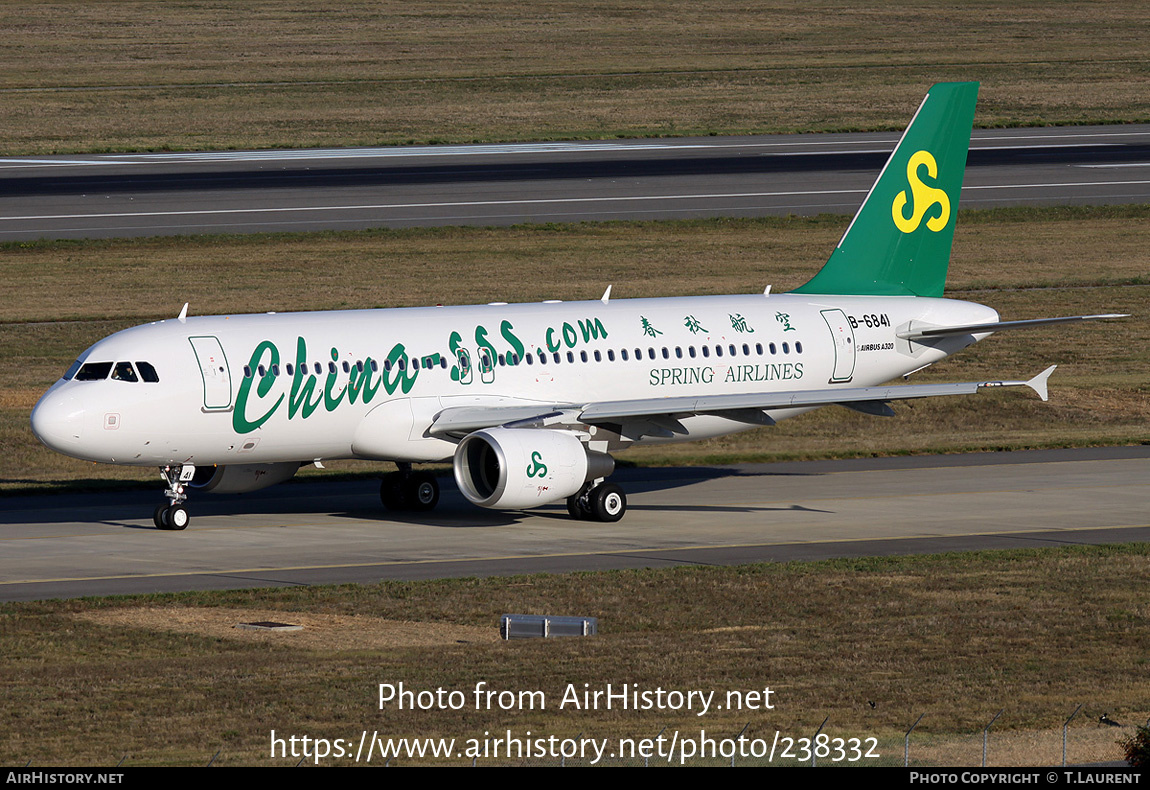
{"x":174,"y":515}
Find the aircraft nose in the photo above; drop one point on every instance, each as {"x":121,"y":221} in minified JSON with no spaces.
{"x":57,"y":421}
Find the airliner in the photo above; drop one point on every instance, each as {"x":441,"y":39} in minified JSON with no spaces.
{"x":531,"y":402}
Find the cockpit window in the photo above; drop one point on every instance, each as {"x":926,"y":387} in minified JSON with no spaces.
{"x":72,"y":370}
{"x":147,"y":372}
{"x":94,"y":371}
{"x":124,"y":372}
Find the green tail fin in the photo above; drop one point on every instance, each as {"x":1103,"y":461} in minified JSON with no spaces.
{"x":899,"y":241}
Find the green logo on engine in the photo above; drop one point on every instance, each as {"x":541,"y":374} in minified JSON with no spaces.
{"x":537,"y":468}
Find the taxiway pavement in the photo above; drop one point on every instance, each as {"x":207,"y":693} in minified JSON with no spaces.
{"x":336,"y":532}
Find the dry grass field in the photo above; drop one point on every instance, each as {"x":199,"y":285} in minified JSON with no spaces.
{"x":78,"y":76}
{"x":171,"y":680}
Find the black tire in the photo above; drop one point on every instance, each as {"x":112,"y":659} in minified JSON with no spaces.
{"x":608,"y":502}
{"x":160,"y":517}
{"x":422,"y":491}
{"x":392,"y":492}
{"x":178,"y":517}
{"x":574,"y":509}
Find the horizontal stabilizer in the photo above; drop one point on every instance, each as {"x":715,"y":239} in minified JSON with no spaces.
{"x":998,"y":326}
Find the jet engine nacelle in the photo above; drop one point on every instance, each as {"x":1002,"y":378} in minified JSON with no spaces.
{"x":241,"y":478}
{"x":517,"y":468}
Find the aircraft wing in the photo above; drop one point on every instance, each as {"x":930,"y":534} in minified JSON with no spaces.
{"x":661,"y":416}
{"x":462,"y":420}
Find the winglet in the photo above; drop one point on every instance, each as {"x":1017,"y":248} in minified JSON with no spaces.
{"x":1038,"y":383}
{"x":183,"y":316}
{"x":606,"y":295}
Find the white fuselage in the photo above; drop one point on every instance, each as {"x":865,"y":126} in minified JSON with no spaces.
{"x":269,"y":388}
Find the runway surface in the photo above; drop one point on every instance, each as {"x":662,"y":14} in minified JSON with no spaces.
{"x":111,"y":195}
{"x":326,"y":533}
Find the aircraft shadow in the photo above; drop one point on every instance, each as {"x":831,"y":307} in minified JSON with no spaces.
{"x":355,"y":499}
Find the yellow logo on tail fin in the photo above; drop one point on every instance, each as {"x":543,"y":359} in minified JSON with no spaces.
{"x":925,"y":197}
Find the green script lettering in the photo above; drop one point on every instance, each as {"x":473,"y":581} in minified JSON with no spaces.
{"x":240,"y":422}
{"x":301,"y":391}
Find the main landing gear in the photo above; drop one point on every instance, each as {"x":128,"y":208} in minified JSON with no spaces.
{"x":409,"y":491}
{"x":598,"y":502}
{"x":174,"y":514}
